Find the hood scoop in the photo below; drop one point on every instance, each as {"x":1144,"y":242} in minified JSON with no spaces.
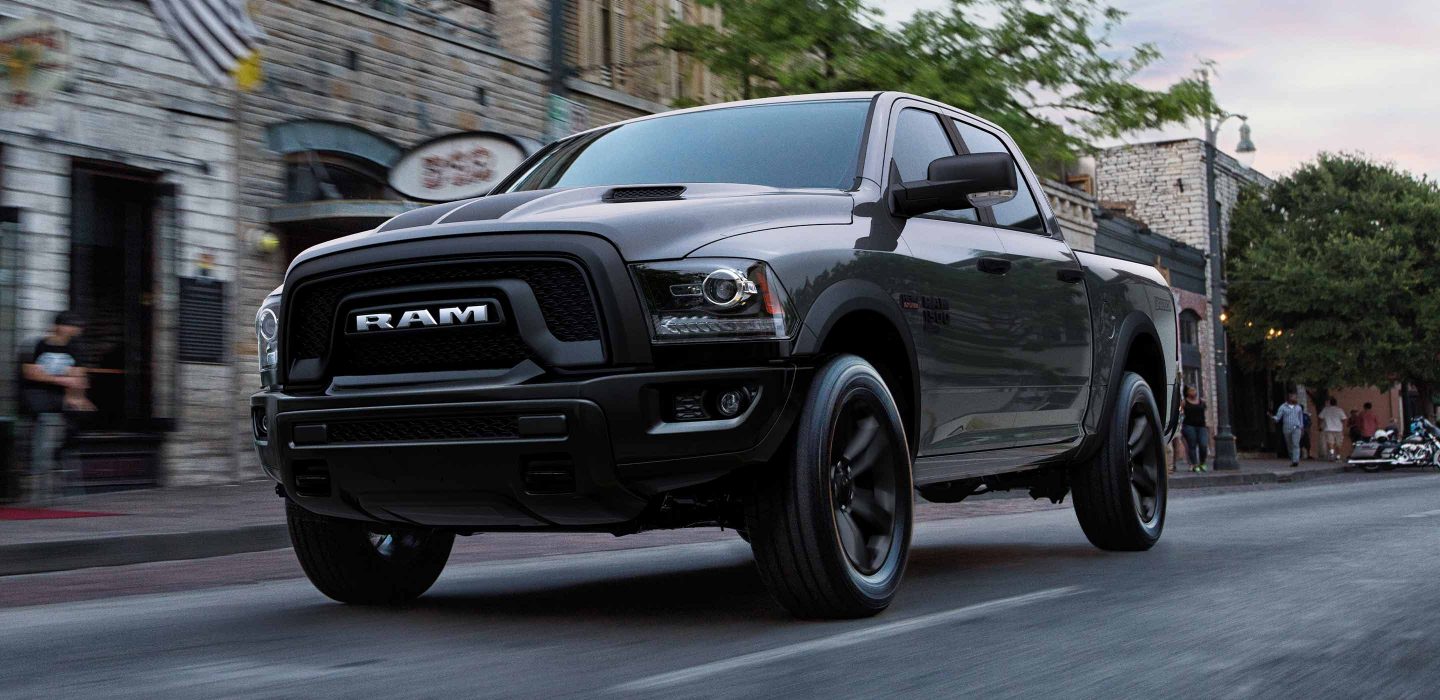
{"x":644,"y":194}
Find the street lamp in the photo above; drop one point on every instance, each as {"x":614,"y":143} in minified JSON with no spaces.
{"x":1245,"y":150}
{"x":1225,"y":456}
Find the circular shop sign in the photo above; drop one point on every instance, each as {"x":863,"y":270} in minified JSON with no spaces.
{"x":456,"y":166}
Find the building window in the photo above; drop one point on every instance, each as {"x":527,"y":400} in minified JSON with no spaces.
{"x":312,"y":176}
{"x":1192,"y":379}
{"x":1189,"y":328}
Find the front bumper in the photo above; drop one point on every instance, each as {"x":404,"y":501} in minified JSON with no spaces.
{"x":582,"y":455}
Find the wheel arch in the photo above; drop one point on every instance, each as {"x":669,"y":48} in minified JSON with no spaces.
{"x":860,"y":317}
{"x":1138,"y":349}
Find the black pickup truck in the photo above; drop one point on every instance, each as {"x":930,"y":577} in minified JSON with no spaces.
{"x":784,"y":317}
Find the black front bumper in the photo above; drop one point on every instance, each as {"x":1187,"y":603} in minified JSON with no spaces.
{"x":589,"y":454}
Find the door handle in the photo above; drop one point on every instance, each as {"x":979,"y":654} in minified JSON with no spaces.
{"x":994,"y":266}
{"x":1070,"y":275}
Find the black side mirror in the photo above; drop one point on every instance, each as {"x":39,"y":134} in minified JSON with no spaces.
{"x":957,"y":182}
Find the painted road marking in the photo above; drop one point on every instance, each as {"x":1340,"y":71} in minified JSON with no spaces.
{"x":842,"y":640}
{"x":1425,"y":514}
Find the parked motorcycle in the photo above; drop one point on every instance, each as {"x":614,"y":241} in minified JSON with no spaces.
{"x":1386,"y":450}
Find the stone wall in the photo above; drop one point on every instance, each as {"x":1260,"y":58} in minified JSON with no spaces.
{"x":1163,"y":184}
{"x":133,"y":102}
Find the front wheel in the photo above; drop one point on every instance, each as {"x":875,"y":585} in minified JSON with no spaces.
{"x":831,"y":529}
{"x":1120,"y":495}
{"x":363,"y":563}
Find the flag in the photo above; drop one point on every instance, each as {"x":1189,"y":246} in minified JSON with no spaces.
{"x":218,"y":36}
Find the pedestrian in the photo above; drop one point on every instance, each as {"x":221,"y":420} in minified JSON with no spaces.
{"x":1332,"y":427}
{"x":1291,"y":418}
{"x":1369,"y":422}
{"x":1193,"y":430}
{"x":51,"y":382}
{"x":1354,"y":421}
{"x":1305,"y":436}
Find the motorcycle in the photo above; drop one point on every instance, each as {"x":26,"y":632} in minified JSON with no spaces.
{"x":1385,"y":450}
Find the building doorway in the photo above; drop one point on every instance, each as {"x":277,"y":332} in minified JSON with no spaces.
{"x":113,"y":287}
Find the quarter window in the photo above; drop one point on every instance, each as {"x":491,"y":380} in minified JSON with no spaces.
{"x":1020,"y":212}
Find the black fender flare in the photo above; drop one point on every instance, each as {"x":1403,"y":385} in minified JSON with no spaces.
{"x":849,"y":296}
{"x":1135,"y":325}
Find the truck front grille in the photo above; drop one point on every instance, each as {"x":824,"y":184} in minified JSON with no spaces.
{"x":314,"y":327}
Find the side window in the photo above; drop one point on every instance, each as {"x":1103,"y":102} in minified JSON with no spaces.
{"x":1019,"y":212}
{"x":920,"y":138}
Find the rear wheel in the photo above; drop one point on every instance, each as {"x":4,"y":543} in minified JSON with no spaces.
{"x":1120,"y":496}
{"x":364,"y":563}
{"x":831,"y":530}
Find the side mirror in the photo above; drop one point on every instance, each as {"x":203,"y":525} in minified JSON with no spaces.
{"x":957,"y":182}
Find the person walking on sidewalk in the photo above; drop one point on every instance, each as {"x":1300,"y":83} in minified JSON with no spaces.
{"x":1369,"y":422}
{"x":1194,"y":431}
{"x":1332,"y":429}
{"x":51,"y":382}
{"x":1291,"y":418}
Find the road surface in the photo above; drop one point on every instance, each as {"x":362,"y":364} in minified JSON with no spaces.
{"x":1315,"y":590}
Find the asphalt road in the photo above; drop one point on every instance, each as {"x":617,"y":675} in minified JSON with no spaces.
{"x":1310,"y":591}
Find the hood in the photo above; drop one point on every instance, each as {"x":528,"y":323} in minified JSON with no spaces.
{"x":643,"y":228}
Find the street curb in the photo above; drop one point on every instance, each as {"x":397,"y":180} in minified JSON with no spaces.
{"x":1218,"y":479}
{"x":120,"y":550}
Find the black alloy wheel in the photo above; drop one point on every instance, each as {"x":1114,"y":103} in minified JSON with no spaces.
{"x":831,"y":527}
{"x":862,"y":481}
{"x":1145,"y":464}
{"x":1120,"y":494}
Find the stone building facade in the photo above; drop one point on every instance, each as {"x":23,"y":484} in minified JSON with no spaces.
{"x":1163,"y":185}
{"x":352,"y":84}
{"x":139,"y":188}
{"x":123,"y":183}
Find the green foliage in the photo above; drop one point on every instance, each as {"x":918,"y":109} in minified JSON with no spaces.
{"x":1042,"y":69}
{"x":1342,"y":257}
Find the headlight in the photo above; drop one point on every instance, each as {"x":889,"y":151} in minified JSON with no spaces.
{"x":713,"y":299}
{"x":267,"y":332}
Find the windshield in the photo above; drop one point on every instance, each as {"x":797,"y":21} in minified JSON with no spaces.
{"x":793,"y":144}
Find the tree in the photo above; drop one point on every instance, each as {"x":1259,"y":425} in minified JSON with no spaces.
{"x":1333,"y":276}
{"x":1045,"y":70}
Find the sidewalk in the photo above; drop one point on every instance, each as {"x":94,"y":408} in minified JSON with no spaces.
{"x":147,"y":525}
{"x":1256,"y":471}
{"x":207,"y":521}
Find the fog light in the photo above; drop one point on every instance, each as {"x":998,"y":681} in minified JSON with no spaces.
{"x":731,"y":403}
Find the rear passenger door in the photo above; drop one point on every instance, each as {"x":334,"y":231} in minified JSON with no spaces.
{"x":1047,"y":320}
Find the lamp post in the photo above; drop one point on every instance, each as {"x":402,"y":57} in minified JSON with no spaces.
{"x":1225,"y":456}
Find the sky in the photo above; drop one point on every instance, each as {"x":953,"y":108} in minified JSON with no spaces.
{"x":1312,"y":75}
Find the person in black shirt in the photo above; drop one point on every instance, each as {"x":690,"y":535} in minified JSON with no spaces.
{"x":51,"y":382}
{"x":1194,"y":431}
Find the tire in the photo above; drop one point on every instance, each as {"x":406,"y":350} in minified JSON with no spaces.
{"x":1370,"y":468}
{"x":1120,"y":495}
{"x":824,"y":543}
{"x":363,"y":563}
